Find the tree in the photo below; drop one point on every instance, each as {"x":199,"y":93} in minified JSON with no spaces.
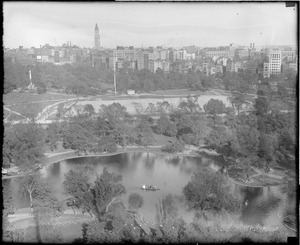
{"x":53,"y":135}
{"x":166,"y":209}
{"x":248,"y":139}
{"x":8,"y":203}
{"x":145,"y":133}
{"x":29,"y":185}
{"x":114,"y":111}
{"x":60,"y":111}
{"x":237,"y":100}
{"x":177,"y":146}
{"x":171,"y":130}
{"x":151,"y":109}
{"x":183,"y":122}
{"x":115,"y":227}
{"x":162,"y":124}
{"x":135,"y":201}
{"x":41,"y":87}
{"x":89,"y":109}
{"x":224,"y":142}
{"x":23,"y":144}
{"x":191,"y":105}
{"x":107,"y":143}
{"x":214,"y":108}
{"x":169,"y":227}
{"x":261,"y":105}
{"x":78,"y":138}
{"x":138,"y":108}
{"x":106,"y":189}
{"x":45,"y":204}
{"x":266,"y":148}
{"x":77,"y":184}
{"x":199,"y":128}
{"x":210,"y":191}
{"x":164,"y":107}
{"x":282,"y":91}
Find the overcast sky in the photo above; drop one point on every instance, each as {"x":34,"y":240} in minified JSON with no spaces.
{"x":149,"y":24}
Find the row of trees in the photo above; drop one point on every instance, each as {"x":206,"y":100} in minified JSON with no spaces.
{"x":85,"y":79}
{"x":24,"y":144}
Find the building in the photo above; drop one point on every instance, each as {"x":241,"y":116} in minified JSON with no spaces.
{"x":130,"y":92}
{"x":274,"y":64}
{"x":242,"y":53}
{"x":97,"y":38}
{"x":154,"y":65}
{"x":217,"y":53}
{"x":288,"y":55}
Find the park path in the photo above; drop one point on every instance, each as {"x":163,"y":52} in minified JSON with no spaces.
{"x":14,"y":112}
{"x":41,"y":117}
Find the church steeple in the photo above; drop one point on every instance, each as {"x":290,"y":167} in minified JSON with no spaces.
{"x":97,"y":38}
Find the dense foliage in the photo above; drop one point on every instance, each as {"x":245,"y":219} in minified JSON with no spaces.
{"x":87,"y":80}
{"x":23,"y":145}
{"x":209,"y":191}
{"x":97,"y":197}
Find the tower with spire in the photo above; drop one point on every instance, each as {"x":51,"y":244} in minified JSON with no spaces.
{"x":97,"y":38}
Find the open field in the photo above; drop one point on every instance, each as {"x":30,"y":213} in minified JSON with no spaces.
{"x":283,"y":105}
{"x":19,"y":98}
{"x":29,"y":104}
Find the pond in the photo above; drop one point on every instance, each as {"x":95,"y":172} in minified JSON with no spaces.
{"x":261,"y":206}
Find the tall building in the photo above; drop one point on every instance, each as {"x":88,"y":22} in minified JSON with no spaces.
{"x":97,"y":38}
{"x":274,"y":64}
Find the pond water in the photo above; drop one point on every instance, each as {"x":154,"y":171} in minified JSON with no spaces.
{"x":265,"y":206}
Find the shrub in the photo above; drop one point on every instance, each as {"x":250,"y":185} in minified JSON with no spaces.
{"x":135,"y":201}
{"x":177,"y":146}
{"x":189,"y":139}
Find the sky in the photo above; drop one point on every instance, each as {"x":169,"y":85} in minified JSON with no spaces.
{"x":31,"y":24}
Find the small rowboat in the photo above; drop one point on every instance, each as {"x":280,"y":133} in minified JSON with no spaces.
{"x":149,"y":188}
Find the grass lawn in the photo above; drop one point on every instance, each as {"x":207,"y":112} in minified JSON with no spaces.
{"x":282,"y":105}
{"x":17,"y":98}
{"x":30,"y":110}
{"x":68,"y":232}
{"x":14,"y":117}
{"x":22,"y":102}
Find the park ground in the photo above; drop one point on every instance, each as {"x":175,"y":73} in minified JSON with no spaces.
{"x":70,"y":223}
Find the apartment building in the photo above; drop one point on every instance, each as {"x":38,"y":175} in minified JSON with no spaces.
{"x":288,"y":55}
{"x":217,"y":53}
{"x":242,"y":53}
{"x":274,"y":64}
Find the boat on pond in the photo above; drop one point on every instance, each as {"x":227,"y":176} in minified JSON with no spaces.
{"x":149,"y":188}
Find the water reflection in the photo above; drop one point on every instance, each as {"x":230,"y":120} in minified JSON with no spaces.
{"x":149,"y":162}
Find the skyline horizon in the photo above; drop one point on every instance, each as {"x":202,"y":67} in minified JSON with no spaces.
{"x":155,"y":46}
{"x":149,"y":24}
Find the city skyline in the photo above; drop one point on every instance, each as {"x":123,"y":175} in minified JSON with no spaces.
{"x":149,"y":24}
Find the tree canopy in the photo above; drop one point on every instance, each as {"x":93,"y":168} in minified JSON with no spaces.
{"x":213,"y":108}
